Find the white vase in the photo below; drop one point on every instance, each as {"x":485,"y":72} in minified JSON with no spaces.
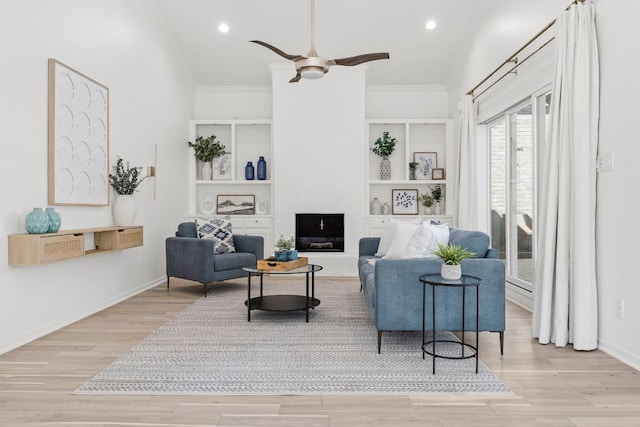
{"x":451,"y":272}
{"x":124,"y":209}
{"x":385,"y":168}
{"x":376,"y":207}
{"x":438,"y":209}
{"x":205,"y":171}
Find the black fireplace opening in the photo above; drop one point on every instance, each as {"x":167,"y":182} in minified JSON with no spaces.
{"x":318,"y":232}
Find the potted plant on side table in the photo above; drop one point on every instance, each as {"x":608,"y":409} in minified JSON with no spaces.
{"x":125,"y":180}
{"x":451,"y":256}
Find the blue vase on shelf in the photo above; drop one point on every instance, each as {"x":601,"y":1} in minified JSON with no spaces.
{"x":262,"y":168}
{"x":248,"y":171}
{"x":37,"y":221}
{"x":54,"y":220}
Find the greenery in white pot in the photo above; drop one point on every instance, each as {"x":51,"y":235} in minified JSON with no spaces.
{"x":451,"y":256}
{"x":384,"y":145}
{"x":207,"y":149}
{"x":125,"y":178}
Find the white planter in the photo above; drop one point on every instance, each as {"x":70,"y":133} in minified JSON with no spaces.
{"x":451,"y":272}
{"x":124,"y":209}
{"x":205,"y":171}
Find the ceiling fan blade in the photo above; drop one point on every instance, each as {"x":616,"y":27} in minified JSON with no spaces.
{"x":355,"y":60}
{"x":278,"y":51}
{"x":296,"y":78}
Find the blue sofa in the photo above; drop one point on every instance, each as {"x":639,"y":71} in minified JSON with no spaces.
{"x":191,"y":258}
{"x":394,"y":293}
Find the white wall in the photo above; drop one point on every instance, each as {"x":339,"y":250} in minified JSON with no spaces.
{"x":618,"y":234}
{"x":124,"y":46}
{"x":502,"y":30}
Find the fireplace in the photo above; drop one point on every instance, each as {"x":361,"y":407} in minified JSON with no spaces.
{"x":317,"y":232}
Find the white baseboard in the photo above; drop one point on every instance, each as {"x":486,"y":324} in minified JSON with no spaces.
{"x":519,"y":296}
{"x":61,"y":323}
{"x":624,"y":356}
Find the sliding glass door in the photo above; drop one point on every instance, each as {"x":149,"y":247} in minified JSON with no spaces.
{"x":515,"y":138}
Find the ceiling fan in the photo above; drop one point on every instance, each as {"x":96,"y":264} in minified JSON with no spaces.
{"x":313,"y":66}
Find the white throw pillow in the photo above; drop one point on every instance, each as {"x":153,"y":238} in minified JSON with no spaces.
{"x":388,"y":233}
{"x":404,"y":233}
{"x":426,"y":239}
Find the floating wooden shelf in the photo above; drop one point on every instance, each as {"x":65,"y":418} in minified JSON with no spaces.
{"x":34,"y":249}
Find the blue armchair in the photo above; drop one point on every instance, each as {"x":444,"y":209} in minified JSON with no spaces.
{"x":191,"y":258}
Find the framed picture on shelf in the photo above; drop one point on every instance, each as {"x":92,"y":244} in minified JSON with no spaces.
{"x":236,"y":204}
{"x":426,"y":161}
{"x":222,"y":167}
{"x":404,"y":202}
{"x":437,"y":174}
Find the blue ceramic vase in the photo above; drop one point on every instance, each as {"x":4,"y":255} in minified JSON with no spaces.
{"x":37,"y":221}
{"x":262,"y":168}
{"x":248,"y":171}
{"x":54,"y":220}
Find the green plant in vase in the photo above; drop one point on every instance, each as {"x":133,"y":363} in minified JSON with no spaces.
{"x":205,"y":150}
{"x":412,"y":170}
{"x":436,"y":194}
{"x":383,"y":147}
{"x":427,"y":201}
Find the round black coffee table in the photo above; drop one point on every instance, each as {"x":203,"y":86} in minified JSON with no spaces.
{"x":282,"y":302}
{"x":436,"y":280}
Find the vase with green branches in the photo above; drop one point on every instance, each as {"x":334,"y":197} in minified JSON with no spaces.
{"x":205,"y":150}
{"x":383,"y":147}
{"x":436,"y":194}
{"x":427,"y":201}
{"x":125,"y":180}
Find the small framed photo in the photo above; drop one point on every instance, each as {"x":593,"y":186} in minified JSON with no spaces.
{"x":426,"y":161}
{"x":236,"y":204}
{"x":404,"y":202}
{"x":437,"y":174}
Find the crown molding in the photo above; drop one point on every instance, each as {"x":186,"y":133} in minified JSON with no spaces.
{"x":232,"y":89}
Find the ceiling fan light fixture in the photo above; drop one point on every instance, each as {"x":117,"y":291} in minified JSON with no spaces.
{"x":431,"y":24}
{"x":312,"y":73}
{"x":223,"y":27}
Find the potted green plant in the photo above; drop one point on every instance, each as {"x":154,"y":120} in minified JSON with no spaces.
{"x":205,"y":150}
{"x":125,"y":180}
{"x":383,"y":147}
{"x":436,"y":193}
{"x":285,"y":250}
{"x":427,"y":201}
{"x":451,"y":256}
{"x":412,"y":170}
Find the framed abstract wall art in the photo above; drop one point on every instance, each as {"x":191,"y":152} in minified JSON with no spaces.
{"x":404,"y":202}
{"x":426,"y":163}
{"x":78,"y":138}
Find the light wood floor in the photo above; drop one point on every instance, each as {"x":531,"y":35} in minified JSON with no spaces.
{"x":553,"y":386}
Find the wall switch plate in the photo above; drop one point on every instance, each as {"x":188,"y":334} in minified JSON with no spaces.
{"x":620,"y":308}
{"x":604,"y":162}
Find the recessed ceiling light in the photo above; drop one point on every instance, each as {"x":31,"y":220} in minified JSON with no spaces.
{"x":223,"y":28}
{"x":431,"y":24}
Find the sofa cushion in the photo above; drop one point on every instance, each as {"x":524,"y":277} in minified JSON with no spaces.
{"x":426,"y":239}
{"x":233,"y":261}
{"x":219,"y":230}
{"x":389,"y":232}
{"x":187,"y":229}
{"x":475,"y":241}
{"x":404,"y":233}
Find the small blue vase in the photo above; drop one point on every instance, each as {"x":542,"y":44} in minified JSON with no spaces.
{"x":37,"y":221}
{"x":248,"y":171}
{"x":262,"y":168}
{"x":54,"y":220}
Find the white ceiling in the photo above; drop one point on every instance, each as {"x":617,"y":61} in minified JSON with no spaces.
{"x":343,"y":28}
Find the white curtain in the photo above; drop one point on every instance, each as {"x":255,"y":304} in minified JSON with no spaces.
{"x":467,"y":206}
{"x":565,"y":297}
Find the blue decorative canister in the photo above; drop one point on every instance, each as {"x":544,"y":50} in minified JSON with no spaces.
{"x":262,"y":168}
{"x":37,"y":221}
{"x":54,"y":220}
{"x":248,"y":171}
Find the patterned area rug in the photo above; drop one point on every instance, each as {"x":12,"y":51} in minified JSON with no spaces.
{"x":210,"y":349}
